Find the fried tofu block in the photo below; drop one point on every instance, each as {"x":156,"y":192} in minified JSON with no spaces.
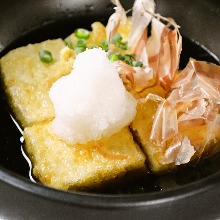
{"x":97,"y":34}
{"x":27,"y":79}
{"x":27,"y":82}
{"x":78,"y":167}
{"x":142,"y":125}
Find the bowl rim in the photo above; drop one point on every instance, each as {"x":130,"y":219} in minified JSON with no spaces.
{"x":95,"y":200}
{"x":98,"y":200}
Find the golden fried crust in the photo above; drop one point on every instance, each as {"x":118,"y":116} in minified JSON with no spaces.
{"x":64,"y":166}
{"x":27,"y":80}
{"x":141,"y":128}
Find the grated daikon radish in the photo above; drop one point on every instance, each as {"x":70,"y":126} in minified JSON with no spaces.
{"x":91,"y":102}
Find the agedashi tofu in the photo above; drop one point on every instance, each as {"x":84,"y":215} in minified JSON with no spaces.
{"x":156,"y":154}
{"x":101,"y":104}
{"x":141,"y":127}
{"x":27,"y":80}
{"x":82,"y":167}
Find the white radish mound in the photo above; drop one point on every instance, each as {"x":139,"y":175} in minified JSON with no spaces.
{"x":91,"y":102}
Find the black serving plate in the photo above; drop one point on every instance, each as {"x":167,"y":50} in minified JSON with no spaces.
{"x":193,"y":192}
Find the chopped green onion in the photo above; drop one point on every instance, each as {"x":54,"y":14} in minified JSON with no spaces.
{"x":128,"y":61}
{"x":68,"y":43}
{"x":104,"y":45}
{"x":137,"y":63}
{"x":122,"y":45}
{"x":128,"y":58}
{"x":116,"y":38}
{"x":79,"y":49}
{"x":115,"y":56}
{"x":80,"y":46}
{"x":82,"y":33}
{"x":81,"y":43}
{"x":45,"y":56}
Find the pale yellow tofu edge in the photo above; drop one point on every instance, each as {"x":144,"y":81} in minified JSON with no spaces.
{"x":64,"y":166}
{"x":27,"y":80}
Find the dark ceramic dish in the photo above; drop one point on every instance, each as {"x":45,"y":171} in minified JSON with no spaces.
{"x":190,"y":194}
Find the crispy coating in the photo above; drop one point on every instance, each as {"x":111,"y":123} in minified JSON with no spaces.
{"x":78,"y":167}
{"x":142,"y":125}
{"x":27,"y":80}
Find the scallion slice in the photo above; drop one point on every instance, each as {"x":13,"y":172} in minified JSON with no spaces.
{"x":115,"y":56}
{"x":68,"y":43}
{"x":79,"y":49}
{"x":117,"y":38}
{"x":82,"y":33}
{"x":122,"y":45}
{"x":137,"y":63}
{"x":104,"y":45}
{"x":128,"y":58}
{"x":45,"y":56}
{"x":81,"y":43}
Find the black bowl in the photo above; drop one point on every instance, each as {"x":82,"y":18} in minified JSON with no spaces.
{"x":26,"y":21}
